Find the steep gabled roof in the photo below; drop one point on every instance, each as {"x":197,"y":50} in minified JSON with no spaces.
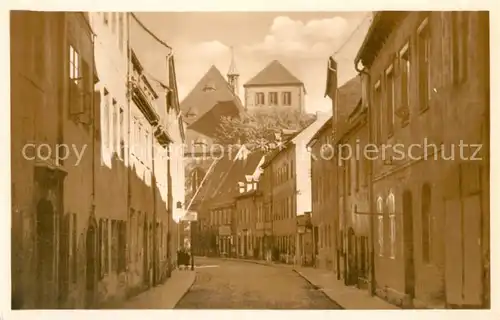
{"x":208,"y":92}
{"x":229,"y":189}
{"x":274,"y":74}
{"x":349,"y":96}
{"x":208,"y":121}
{"x":214,"y":178}
{"x":326,"y":126}
{"x":216,"y":175}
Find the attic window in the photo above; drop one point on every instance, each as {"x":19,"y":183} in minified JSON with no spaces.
{"x":209,"y":87}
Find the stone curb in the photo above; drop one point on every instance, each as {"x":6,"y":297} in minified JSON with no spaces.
{"x":318,"y":288}
{"x":263,"y":263}
{"x":186,"y":291}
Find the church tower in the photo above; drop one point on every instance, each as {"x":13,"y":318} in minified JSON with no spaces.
{"x":233,"y":75}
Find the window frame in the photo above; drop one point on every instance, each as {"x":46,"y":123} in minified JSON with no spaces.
{"x":405,"y":73}
{"x":273,"y":98}
{"x":391,"y":209}
{"x":426,"y":216}
{"x":380,"y":230}
{"x":389,"y":74}
{"x":284,"y":96}
{"x":424,"y":39}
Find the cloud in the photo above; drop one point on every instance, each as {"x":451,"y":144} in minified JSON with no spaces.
{"x":313,"y":39}
{"x":211,"y":48}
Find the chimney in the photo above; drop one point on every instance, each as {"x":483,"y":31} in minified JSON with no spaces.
{"x":332,"y":89}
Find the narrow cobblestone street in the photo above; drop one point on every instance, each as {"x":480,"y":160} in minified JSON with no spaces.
{"x":241,"y":285}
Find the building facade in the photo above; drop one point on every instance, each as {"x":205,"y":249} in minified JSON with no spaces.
{"x":283,"y":195}
{"x":264,"y":227}
{"x":323,"y":194}
{"x":79,"y":234}
{"x":274,"y":87}
{"x":353,"y":196}
{"x":38,"y":117}
{"x":430,"y":206}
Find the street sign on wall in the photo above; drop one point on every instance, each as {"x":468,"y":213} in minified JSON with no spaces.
{"x":190,"y":216}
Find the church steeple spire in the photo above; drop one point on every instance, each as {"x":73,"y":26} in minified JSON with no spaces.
{"x":233,"y":75}
{"x":232,"y":67}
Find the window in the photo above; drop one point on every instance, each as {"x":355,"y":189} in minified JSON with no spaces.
{"x":76,"y":88}
{"x":460,"y":34}
{"x":114,"y":246}
{"x":389,"y":100}
{"x":426,"y":223}
{"x":273,"y":98}
{"x":357,"y":163}
{"x":115,"y":141}
{"x":149,"y":147}
{"x":121,"y":29}
{"x":391,"y":208}
{"x":121,"y":134}
{"x":114,"y":23}
{"x":347,"y":178}
{"x":106,"y":246}
{"x":122,"y":246}
{"x":105,"y":119}
{"x":424,"y":65}
{"x":378,"y":113}
{"x":105,"y":18}
{"x":259,"y":99}
{"x":286,"y":98}
{"x":380,"y":211}
{"x":404,"y":65}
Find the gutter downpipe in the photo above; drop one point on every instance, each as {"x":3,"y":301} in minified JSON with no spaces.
{"x":336,"y":166}
{"x":370,"y":187}
{"x":170,"y":205}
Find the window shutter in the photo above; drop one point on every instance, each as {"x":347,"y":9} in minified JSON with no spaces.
{"x":397,"y":82}
{"x":76,"y":105}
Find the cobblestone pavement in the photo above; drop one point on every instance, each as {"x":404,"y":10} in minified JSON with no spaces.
{"x":241,"y":285}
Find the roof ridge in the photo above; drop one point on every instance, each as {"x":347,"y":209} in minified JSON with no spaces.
{"x":283,"y":72}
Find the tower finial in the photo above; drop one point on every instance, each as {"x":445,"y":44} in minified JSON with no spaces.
{"x":232,"y":67}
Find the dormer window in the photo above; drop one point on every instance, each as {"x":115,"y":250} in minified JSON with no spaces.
{"x":241,"y":186}
{"x":210,"y":86}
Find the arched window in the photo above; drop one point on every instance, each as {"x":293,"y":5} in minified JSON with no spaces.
{"x":426,"y":223}
{"x":391,"y":208}
{"x":380,"y":211}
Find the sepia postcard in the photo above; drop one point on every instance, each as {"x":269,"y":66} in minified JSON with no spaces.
{"x":280,"y":160}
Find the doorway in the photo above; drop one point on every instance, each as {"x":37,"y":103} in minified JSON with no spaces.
{"x":352,"y":270}
{"x":408,"y":244}
{"x":45,"y":243}
{"x":91,"y":254}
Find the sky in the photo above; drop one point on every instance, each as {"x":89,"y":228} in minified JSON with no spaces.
{"x":302,"y":42}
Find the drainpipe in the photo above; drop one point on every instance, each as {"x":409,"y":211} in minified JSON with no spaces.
{"x":336,"y":166}
{"x":128,"y":162}
{"x":169,"y":184}
{"x":373,"y":284}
